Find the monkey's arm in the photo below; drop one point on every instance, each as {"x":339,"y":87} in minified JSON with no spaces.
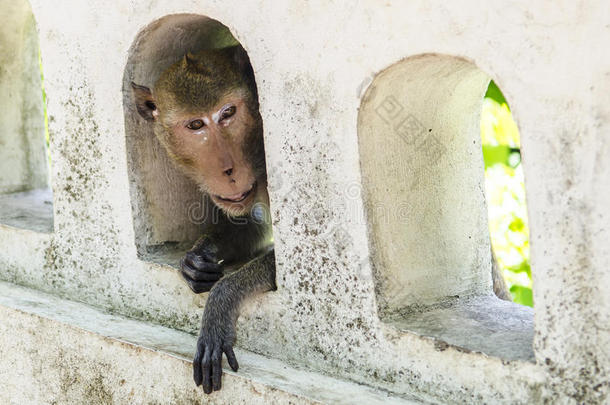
{"x":225,"y":243}
{"x":217,"y":334}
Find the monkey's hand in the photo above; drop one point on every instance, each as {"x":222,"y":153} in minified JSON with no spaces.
{"x":217,"y":334}
{"x":200,"y":267}
{"x":216,"y":337}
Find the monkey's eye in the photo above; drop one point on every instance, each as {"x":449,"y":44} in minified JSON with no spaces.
{"x":195,"y":124}
{"x":228,"y":112}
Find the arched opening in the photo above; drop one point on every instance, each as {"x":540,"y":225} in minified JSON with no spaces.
{"x":25,"y":194}
{"x":168,"y":210}
{"x":419,"y":130}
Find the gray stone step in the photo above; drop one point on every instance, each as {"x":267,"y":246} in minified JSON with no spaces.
{"x":57,"y":351}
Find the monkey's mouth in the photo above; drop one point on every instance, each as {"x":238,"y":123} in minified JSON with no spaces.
{"x":237,"y":198}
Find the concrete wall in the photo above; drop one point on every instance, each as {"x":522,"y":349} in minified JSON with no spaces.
{"x":23,"y":157}
{"x":422,"y":172}
{"x":337,"y":309}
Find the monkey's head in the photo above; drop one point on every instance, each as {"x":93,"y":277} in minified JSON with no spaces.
{"x":205,"y":113}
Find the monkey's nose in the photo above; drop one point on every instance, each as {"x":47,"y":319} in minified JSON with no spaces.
{"x":229,"y":171}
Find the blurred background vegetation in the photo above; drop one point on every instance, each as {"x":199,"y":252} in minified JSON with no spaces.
{"x":505,"y":192}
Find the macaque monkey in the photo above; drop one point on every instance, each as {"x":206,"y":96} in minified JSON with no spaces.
{"x":205,"y":112}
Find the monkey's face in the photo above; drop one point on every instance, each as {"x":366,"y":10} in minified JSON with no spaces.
{"x":215,"y":149}
{"x":205,"y":113}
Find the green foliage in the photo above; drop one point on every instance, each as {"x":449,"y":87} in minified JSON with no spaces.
{"x":494,"y":93}
{"x":505,"y":191}
{"x":522,"y":295}
{"x":494,"y":154}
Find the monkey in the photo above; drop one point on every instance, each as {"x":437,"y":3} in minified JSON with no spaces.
{"x":205,"y":112}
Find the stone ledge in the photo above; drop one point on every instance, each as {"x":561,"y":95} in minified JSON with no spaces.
{"x":54,"y":350}
{"x":31,"y":210}
{"x":483,"y":324}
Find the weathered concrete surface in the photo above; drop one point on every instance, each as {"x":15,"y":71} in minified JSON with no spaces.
{"x":23,"y":156}
{"x":423,"y":185}
{"x":57,"y":351}
{"x":28,"y":210}
{"x":483,"y":324}
{"x":313,"y":62}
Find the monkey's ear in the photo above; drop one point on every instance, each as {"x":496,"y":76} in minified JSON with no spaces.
{"x":189,"y":59}
{"x":145,"y":103}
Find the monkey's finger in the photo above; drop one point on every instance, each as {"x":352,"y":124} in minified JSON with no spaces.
{"x":231,"y":358}
{"x":198,"y":275}
{"x":199,"y":287}
{"x":216,"y":368}
{"x":200,"y":263}
{"x":197,"y":375}
{"x":207,"y":371}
